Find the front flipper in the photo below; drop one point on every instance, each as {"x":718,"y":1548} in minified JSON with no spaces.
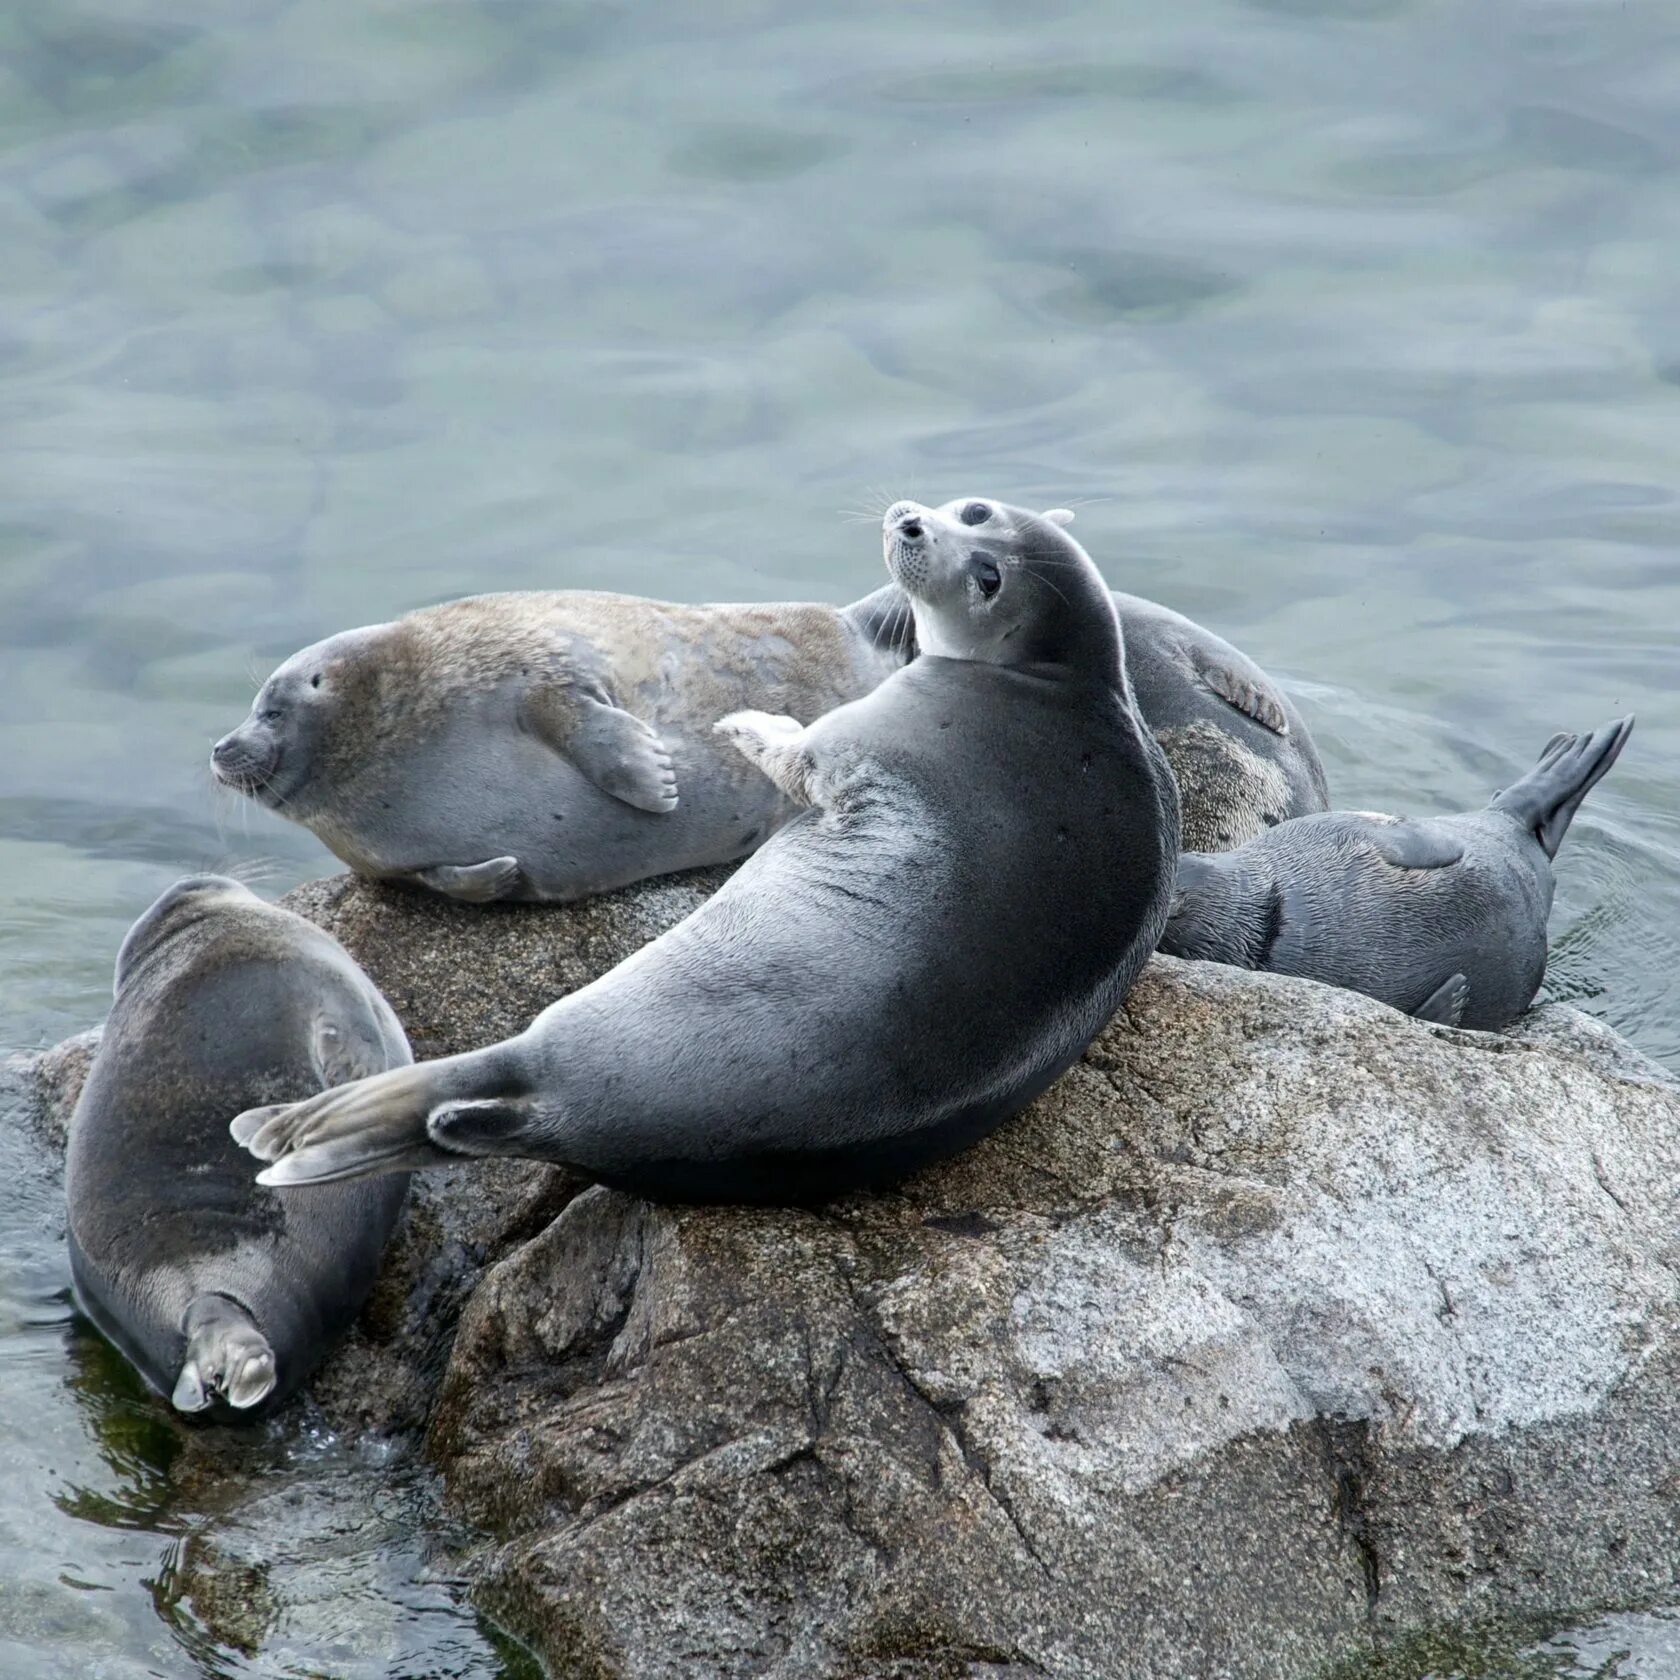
{"x":776,"y":745}
{"x":473,"y":883}
{"x":1410,"y":845}
{"x":430,"y":1115}
{"x":341,"y":1053}
{"x":1247,"y":690}
{"x":619,"y":753}
{"x":1446,"y":1004}
{"x":226,"y":1355}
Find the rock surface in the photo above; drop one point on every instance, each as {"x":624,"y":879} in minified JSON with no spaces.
{"x":1281,"y":1326}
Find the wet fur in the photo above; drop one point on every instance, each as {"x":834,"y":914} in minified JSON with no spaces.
{"x":219,"y":1002}
{"x":1396,"y":908}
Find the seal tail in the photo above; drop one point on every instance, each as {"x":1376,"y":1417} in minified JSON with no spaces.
{"x":226,"y":1355}
{"x":405,"y":1120}
{"x":1546,"y":799}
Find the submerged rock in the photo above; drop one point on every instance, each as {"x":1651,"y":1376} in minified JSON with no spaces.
{"x":1281,"y":1326}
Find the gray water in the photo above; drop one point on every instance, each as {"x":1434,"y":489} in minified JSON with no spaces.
{"x":1348,"y":326}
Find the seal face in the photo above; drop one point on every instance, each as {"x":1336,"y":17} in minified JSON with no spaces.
{"x":1443,"y":918}
{"x":980,"y":867}
{"x":222,"y":1294}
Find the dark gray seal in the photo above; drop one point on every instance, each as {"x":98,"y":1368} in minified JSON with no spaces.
{"x":1444,"y":918}
{"x":980,"y":869}
{"x":550,"y":746}
{"x":218,"y":1290}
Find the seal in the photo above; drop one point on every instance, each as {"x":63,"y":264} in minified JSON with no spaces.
{"x":981,"y":866}
{"x":1443,"y":918}
{"x":223,"y":1294}
{"x":551,"y":746}
{"x":1241,"y":752}
{"x":545,"y":746}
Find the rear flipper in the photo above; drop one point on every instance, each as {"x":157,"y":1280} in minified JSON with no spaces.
{"x":1445,"y":1005}
{"x":227,"y":1356}
{"x":411,"y":1118}
{"x":1546,"y":799}
{"x":473,"y":883}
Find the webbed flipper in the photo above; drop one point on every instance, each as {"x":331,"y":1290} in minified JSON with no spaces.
{"x":776,"y":745}
{"x":341,"y":1053}
{"x":615,"y":749}
{"x":471,"y":883}
{"x":1409,"y":845}
{"x":1546,"y":799}
{"x":226,"y":1355}
{"x":1247,"y":690}
{"x":1446,"y":1004}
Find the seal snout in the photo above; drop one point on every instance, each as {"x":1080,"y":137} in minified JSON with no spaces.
{"x":904,"y":519}
{"x":242,"y":763}
{"x":904,"y":531}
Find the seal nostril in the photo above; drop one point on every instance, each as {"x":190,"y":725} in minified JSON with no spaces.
{"x":911,"y":528}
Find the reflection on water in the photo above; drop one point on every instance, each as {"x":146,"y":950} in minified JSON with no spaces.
{"x":134,"y":1543}
{"x":1632,"y":1647}
{"x":1347,"y":324}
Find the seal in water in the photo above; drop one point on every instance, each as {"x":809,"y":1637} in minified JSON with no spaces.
{"x":550,"y":746}
{"x":1443,"y":918}
{"x":981,"y":869}
{"x":219,"y":1291}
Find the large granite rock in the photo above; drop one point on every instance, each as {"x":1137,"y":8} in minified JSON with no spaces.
{"x":1281,"y":1326}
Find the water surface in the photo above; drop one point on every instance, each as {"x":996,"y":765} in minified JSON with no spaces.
{"x":1347,"y":325}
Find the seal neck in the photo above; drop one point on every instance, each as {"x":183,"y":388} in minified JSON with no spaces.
{"x":886,"y":620}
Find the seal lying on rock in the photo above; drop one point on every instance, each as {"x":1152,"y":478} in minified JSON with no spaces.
{"x":1243,"y":758}
{"x":543,"y":746}
{"x":1444,"y":918}
{"x":980,"y":870}
{"x":551,"y":746}
{"x":216,"y":1289}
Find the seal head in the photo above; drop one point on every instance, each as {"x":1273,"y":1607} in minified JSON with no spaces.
{"x":998,"y":584}
{"x":295,"y":721}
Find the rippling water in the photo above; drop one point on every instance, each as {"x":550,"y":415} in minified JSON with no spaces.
{"x":1348,"y":324}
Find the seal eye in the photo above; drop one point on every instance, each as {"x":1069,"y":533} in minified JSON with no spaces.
{"x":315,"y":681}
{"x":976,"y":513}
{"x":987,"y":576}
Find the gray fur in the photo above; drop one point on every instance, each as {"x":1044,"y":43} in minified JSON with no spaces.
{"x":570,"y":733}
{"x":1242,"y":754}
{"x":550,"y":746}
{"x":1444,"y":918}
{"x":223,"y":1294}
{"x":980,"y":868}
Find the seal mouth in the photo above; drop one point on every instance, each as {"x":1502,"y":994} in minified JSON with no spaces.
{"x":237,"y":764}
